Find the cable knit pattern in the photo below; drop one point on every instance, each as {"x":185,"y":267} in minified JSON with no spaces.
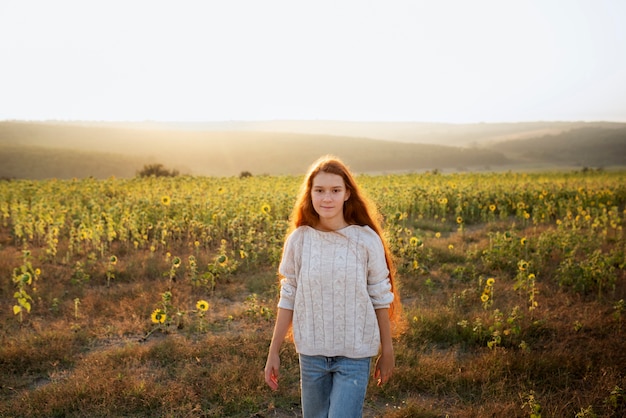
{"x":334,"y":282}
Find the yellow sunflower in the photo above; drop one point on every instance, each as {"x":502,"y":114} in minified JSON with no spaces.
{"x":158,"y":316}
{"x":202,"y":305}
{"x":522,"y":265}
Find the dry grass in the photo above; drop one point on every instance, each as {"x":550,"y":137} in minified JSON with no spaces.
{"x":91,"y":357}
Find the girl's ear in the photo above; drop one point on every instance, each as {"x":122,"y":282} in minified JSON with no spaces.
{"x":347,"y":196}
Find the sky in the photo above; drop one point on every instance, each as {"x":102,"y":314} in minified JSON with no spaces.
{"x":455,"y":61}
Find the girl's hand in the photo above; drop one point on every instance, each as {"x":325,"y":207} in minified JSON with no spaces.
{"x":386,"y":362}
{"x":283,"y":322}
{"x":384,"y":368}
{"x":271,"y":371}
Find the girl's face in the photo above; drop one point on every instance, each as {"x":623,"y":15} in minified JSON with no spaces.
{"x":328,"y":193}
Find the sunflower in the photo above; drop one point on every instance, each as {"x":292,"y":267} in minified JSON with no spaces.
{"x":413,"y":241}
{"x":113,"y":260}
{"x":484,"y":297}
{"x":492,"y":207}
{"x":523,"y":241}
{"x":459,"y":220}
{"x":490,"y":281}
{"x":202,"y":305}
{"x":165,"y":200}
{"x":158,"y":316}
{"x":266,"y":209}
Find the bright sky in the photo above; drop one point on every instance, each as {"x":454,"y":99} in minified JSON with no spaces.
{"x":399,"y":60}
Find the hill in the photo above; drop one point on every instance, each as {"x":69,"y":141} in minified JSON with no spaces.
{"x":588,"y":146}
{"x":36,"y":150}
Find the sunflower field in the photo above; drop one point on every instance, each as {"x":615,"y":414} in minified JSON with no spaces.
{"x":156,"y":296}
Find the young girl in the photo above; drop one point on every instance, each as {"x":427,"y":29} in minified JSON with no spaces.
{"x":337,"y":292}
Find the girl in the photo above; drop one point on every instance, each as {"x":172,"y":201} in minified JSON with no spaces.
{"x":337,"y":292}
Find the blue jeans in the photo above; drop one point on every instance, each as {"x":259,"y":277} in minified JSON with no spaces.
{"x":333,"y":387}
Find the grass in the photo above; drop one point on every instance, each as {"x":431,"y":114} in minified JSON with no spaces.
{"x":93,"y":360}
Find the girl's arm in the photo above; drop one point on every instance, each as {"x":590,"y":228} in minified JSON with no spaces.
{"x":386,"y":362}
{"x":283,"y":322}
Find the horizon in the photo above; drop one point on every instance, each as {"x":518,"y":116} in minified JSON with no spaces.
{"x":447,"y":62}
{"x":370,"y":121}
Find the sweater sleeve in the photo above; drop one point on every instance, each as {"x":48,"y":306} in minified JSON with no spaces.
{"x":378,"y":282}
{"x":287,"y":271}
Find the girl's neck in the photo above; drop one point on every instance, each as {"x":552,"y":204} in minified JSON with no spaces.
{"x":329,"y":226}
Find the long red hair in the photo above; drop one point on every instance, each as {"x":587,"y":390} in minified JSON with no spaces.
{"x":357,"y":210}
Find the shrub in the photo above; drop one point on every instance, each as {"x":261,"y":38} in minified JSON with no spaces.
{"x":156,"y":170}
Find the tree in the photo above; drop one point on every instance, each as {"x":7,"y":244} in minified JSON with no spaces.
{"x":156,"y":170}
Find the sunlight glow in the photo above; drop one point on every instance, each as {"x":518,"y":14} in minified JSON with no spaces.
{"x":444,"y":61}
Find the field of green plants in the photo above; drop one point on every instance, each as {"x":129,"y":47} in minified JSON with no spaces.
{"x":156,"y":296}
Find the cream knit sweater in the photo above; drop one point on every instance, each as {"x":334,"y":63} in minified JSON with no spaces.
{"x":334,"y":282}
